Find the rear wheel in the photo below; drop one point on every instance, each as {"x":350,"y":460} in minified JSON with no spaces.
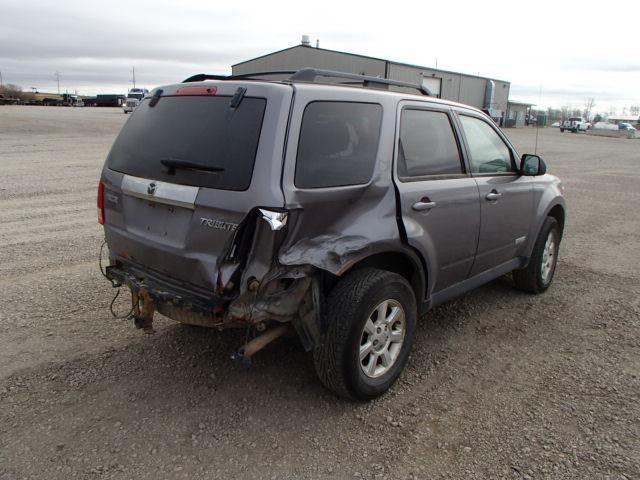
{"x":562,"y":130}
{"x":537,"y":276}
{"x":371,"y":318}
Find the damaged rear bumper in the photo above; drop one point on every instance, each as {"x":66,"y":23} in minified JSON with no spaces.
{"x":165,"y":291}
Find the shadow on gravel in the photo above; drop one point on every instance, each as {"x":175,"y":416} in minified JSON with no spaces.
{"x":187,"y":367}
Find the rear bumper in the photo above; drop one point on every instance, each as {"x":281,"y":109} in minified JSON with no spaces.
{"x":166,"y":291}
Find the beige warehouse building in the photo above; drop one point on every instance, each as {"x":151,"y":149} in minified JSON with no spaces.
{"x":488,"y":94}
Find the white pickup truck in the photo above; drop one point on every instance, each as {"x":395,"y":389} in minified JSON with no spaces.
{"x":575,"y":124}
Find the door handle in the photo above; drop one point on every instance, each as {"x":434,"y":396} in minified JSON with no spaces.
{"x":493,"y":195}
{"x":422,"y":206}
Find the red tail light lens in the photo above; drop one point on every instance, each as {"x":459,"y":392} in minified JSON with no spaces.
{"x":197,"y":90}
{"x":101,"y":203}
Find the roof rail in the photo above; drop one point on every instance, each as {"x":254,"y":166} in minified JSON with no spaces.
{"x":310,"y":74}
{"x":247,"y":76}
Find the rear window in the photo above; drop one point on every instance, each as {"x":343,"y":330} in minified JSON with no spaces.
{"x":198,"y":130}
{"x":427,"y":145}
{"x":338,"y":144}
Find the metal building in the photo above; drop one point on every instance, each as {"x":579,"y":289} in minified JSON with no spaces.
{"x":490,"y":95}
{"x":517,"y":113}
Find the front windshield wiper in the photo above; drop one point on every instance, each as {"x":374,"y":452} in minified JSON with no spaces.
{"x":173,"y":164}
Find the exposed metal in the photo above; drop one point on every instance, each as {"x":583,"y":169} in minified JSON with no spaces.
{"x":276,"y":220}
{"x":245,"y":352}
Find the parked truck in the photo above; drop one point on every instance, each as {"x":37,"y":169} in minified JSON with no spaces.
{"x":133,"y":99}
{"x":575,"y":124}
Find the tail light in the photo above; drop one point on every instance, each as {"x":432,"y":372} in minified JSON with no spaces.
{"x":197,"y":90}
{"x":101,"y":203}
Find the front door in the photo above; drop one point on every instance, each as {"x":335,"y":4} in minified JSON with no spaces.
{"x":506,"y":199}
{"x":439,"y":199}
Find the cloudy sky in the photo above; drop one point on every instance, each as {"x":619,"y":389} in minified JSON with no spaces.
{"x":569,"y":50}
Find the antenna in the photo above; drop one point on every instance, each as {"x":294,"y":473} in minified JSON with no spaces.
{"x":535,"y":148}
{"x":134,"y":77}
{"x":57,"y":75}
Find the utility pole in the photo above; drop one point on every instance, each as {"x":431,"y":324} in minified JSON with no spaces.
{"x":134,"y":77}
{"x":57,"y":74}
{"x":1,"y":84}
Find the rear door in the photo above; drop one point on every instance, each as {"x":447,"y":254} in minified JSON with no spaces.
{"x":184,"y":173}
{"x":506,"y":199}
{"x":439,"y":199}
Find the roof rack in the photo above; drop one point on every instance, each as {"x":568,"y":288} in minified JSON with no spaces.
{"x":310,"y":75}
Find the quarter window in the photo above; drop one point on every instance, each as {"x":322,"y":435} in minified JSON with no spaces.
{"x":338,"y":144}
{"x":489,"y":153}
{"x":427,"y":145}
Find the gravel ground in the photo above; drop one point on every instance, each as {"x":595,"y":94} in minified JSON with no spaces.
{"x":500,"y":384}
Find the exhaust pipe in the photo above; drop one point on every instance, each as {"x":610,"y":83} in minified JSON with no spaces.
{"x":244,"y":353}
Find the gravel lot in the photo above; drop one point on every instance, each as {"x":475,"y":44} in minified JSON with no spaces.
{"x":500,"y":384}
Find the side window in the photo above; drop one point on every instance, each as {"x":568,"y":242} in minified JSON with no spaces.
{"x":489,"y":153}
{"x":427,"y":145}
{"x":338,"y":144}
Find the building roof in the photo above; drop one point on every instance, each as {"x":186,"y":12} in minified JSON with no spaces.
{"x":625,"y":118}
{"x":422,"y":67}
{"x":514,"y":102}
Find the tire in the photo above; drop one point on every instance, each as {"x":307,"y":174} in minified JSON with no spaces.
{"x":535,"y":277}
{"x":354,"y":301}
{"x":562,"y":130}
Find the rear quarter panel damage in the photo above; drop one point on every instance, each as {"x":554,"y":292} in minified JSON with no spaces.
{"x":333,"y":228}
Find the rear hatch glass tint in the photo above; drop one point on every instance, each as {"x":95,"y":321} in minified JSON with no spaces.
{"x":196,"y":130}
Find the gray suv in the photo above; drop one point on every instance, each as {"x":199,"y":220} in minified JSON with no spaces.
{"x":336,"y":206}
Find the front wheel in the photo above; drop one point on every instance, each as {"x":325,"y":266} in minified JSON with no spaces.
{"x":371,"y":318}
{"x":562,"y":130}
{"x":538,"y":274}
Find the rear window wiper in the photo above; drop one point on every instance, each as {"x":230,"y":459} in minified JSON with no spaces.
{"x":173,"y":164}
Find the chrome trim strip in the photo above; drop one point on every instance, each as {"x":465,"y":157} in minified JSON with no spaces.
{"x":167,"y":193}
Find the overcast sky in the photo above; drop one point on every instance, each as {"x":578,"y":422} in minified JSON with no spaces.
{"x":572,"y":50}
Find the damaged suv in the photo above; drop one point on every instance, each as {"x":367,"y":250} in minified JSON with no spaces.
{"x":336,"y":206}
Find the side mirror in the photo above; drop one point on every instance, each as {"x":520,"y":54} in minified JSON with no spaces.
{"x":532,"y":165}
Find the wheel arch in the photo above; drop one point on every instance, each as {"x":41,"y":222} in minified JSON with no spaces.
{"x":557,"y":212}
{"x":405,"y":263}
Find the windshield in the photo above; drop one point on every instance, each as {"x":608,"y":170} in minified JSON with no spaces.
{"x":196,"y":129}
{"x":135,"y":95}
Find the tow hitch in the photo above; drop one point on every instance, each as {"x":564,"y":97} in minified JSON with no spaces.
{"x":143,"y":310}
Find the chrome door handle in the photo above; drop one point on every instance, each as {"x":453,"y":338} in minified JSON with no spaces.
{"x":421,"y":206}
{"x":493,"y":195}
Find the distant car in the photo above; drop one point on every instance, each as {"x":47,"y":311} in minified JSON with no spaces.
{"x":555,"y":124}
{"x":626,"y":126}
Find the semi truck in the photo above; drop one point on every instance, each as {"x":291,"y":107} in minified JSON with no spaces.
{"x":133,"y":99}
